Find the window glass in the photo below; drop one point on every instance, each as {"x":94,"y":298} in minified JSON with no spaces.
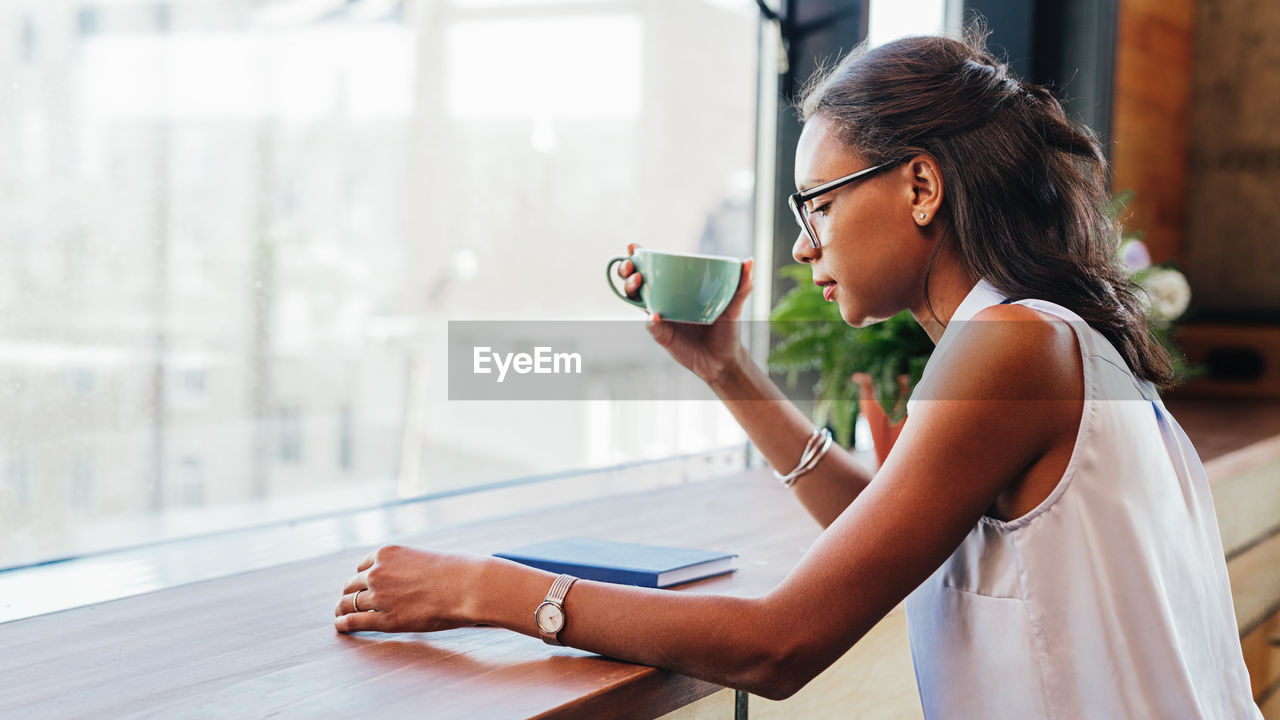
{"x":892,"y":19}
{"x":234,"y":233}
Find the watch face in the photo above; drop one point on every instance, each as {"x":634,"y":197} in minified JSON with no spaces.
{"x":550,"y":618}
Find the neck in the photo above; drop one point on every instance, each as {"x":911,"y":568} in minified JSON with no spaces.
{"x":949,"y":283}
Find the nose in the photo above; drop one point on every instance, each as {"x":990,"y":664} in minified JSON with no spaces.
{"x":803,"y":250}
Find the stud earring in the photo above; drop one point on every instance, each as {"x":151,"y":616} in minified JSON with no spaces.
{"x":921,"y":216}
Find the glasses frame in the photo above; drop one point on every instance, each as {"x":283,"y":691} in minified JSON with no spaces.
{"x":797,"y":199}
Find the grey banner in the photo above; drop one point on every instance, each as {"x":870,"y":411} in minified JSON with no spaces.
{"x":620,"y":360}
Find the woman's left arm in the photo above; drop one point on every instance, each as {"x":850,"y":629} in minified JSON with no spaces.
{"x":949,"y":465}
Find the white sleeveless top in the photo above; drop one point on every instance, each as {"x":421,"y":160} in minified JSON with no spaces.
{"x":1108,"y":600}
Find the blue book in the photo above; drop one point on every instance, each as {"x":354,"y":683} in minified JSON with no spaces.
{"x":623,"y":563}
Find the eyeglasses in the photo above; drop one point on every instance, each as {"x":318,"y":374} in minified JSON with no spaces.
{"x":797,"y":200}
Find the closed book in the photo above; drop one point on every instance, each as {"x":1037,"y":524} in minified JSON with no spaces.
{"x":622,"y":562}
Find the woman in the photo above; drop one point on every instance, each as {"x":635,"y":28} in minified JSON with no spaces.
{"x":1046,"y":519}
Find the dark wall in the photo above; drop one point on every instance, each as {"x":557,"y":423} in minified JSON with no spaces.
{"x":818,"y":31}
{"x":1068,"y":45}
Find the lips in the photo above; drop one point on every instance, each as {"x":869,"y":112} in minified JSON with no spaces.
{"x":828,"y":288}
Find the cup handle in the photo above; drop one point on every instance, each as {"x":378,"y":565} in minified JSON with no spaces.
{"x":608,"y":277}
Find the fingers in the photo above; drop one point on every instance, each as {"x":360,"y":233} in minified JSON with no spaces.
{"x":368,"y":616}
{"x":744,"y":287}
{"x":347,"y":603}
{"x":632,"y":286}
{"x":627,"y":271}
{"x":360,"y":621}
{"x":358,"y":582}
{"x":660,"y":331}
{"x":626,"y":267}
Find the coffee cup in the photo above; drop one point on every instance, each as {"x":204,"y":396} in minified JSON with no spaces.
{"x":683,"y":287}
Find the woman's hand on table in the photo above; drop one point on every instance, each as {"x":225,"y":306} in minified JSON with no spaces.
{"x":409,"y":590}
{"x":704,"y":349}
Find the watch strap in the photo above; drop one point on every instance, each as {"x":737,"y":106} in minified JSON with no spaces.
{"x":555,"y":596}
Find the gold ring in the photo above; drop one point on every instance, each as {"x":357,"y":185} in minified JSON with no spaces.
{"x":355,"y":600}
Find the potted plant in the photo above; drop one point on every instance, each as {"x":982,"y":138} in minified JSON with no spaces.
{"x":873,"y":367}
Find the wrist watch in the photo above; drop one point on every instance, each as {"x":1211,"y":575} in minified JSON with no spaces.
{"x":549,"y":617}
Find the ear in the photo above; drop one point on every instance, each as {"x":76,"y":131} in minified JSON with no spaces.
{"x":926,"y":189}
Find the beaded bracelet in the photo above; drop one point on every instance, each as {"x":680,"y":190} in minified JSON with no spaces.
{"x":814,"y":450}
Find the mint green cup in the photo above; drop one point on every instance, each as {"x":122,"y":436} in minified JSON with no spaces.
{"x":681,"y":286}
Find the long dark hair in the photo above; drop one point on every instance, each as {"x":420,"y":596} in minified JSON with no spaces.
{"x":1025,"y":198}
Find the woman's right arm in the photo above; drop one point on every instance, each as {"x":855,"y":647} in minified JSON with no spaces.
{"x":773,"y":423}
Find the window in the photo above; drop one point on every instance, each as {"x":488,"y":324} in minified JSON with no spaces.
{"x":188,"y":388}
{"x":87,"y":21}
{"x":274,"y":209}
{"x":189,"y":482}
{"x":346,"y":440}
{"x":289,"y":435}
{"x":82,"y":490}
{"x":19,"y":482}
{"x":892,"y":19}
{"x":30,"y":38}
{"x":83,"y":381}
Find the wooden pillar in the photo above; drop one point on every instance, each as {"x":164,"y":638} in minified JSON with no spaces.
{"x":1151,"y":119}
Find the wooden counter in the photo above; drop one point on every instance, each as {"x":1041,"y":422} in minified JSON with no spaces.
{"x":263,"y":643}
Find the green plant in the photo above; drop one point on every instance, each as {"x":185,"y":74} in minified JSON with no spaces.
{"x":811,"y":336}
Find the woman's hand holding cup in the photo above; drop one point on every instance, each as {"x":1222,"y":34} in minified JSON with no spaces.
{"x":705,"y":349}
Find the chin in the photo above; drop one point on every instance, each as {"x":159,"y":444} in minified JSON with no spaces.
{"x":858,"y":320}
{"x":852,"y":319}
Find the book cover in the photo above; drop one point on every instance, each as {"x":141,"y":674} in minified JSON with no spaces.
{"x":622,"y":562}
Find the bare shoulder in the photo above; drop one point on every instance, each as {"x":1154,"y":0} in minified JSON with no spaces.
{"x":1013,"y":351}
{"x":1025,"y":370}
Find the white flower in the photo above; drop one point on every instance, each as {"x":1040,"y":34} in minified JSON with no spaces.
{"x":1169,"y":291}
